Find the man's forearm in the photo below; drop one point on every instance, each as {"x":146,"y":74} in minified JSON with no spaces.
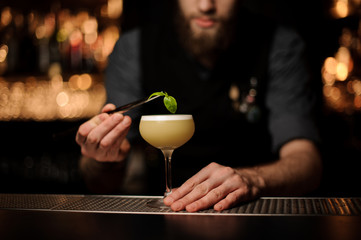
{"x":297,"y":172}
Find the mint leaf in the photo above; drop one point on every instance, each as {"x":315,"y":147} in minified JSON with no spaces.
{"x":169,"y":102}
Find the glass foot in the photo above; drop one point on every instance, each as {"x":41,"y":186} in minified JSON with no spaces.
{"x":157,"y":203}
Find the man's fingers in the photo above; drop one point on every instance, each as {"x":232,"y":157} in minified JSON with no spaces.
{"x":120,"y":145}
{"x":108,"y":107}
{"x":191,"y":183}
{"x":203,"y":195}
{"x":95,"y":136}
{"x":88,"y":126}
{"x":208,"y":200}
{"x":102,"y":136}
{"x":116,"y":135}
{"x":216,"y":194}
{"x":232,"y":199}
{"x":198,"y":192}
{"x":218,"y":186}
{"x":186,"y":187}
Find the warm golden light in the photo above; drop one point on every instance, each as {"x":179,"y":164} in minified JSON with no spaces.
{"x":6,"y":16}
{"x":90,"y":26}
{"x":343,"y":55}
{"x":3,"y":53}
{"x":44,"y":100}
{"x":76,"y":38}
{"x":56,"y":82}
{"x":341,"y":9}
{"x":115,"y":8}
{"x":40,"y":32}
{"x":62,"y":99}
{"x":110,"y":36}
{"x":91,"y":38}
{"x":330,"y":65}
{"x":335,"y":93}
{"x":328,"y":78}
{"x":341,"y":71}
{"x":73,"y":82}
{"x":84,"y":82}
{"x":64,"y":41}
{"x":356,"y":87}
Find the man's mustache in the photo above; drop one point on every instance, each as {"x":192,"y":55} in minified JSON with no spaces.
{"x":206,"y":16}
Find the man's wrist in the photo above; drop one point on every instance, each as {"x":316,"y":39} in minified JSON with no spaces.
{"x":255,"y":178}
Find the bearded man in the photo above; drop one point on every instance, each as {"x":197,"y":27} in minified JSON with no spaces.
{"x":243,"y":78}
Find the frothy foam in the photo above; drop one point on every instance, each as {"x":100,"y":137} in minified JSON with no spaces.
{"x":167,"y":117}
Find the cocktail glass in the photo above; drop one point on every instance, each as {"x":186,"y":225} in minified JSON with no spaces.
{"x":166,"y":132}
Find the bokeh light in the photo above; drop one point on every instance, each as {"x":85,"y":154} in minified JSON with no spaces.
{"x":70,"y":50}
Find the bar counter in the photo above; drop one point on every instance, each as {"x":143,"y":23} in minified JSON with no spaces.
{"x":50,"y":216}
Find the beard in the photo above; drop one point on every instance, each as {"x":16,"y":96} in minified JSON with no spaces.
{"x":206,"y":44}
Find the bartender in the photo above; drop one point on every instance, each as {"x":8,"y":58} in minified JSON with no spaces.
{"x":243,"y":78}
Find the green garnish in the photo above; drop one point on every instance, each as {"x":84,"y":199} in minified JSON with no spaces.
{"x":169,"y":102}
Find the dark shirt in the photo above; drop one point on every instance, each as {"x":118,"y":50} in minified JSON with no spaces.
{"x":289,"y":98}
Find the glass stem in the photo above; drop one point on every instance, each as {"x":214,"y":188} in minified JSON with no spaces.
{"x":168,"y":170}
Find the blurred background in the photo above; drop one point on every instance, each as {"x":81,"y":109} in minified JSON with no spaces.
{"x":52,"y":59}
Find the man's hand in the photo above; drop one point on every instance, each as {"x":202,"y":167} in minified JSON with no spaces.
{"x":215,"y":185}
{"x":297,"y":172}
{"x":103,"y":137}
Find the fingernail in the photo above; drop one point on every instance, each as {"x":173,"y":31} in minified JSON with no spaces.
{"x":126,"y":121}
{"x":218,"y":207}
{"x":117,"y":117}
{"x":177,"y":206}
{"x":191,"y":208}
{"x":168,"y":200}
{"x":102,"y":117}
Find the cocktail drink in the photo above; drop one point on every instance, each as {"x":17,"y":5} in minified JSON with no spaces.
{"x":166,"y":132}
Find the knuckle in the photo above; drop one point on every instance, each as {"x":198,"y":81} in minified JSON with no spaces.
{"x":202,"y":189}
{"x":213,"y":165}
{"x":119,"y":128}
{"x":92,"y":139}
{"x":182,"y":202}
{"x":189,"y":185}
{"x":227,"y":171}
{"x":104,"y":144}
{"x":82,"y":130}
{"x":216,"y":194}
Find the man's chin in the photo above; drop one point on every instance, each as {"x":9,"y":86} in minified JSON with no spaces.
{"x":200,"y":32}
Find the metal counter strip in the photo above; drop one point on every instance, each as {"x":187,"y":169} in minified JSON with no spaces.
{"x":137,"y":205}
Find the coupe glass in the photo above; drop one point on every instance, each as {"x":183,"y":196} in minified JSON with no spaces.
{"x":166,"y":132}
